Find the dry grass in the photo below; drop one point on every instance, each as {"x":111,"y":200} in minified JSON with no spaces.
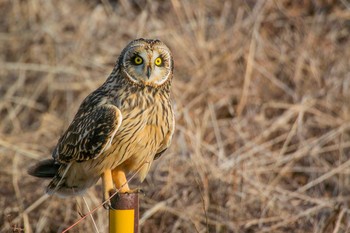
{"x":262,"y":93}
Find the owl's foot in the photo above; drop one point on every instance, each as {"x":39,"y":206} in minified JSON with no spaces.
{"x":137,"y":190}
{"x":108,"y":188}
{"x":107,"y":198}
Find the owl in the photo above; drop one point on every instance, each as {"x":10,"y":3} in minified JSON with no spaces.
{"x":120,"y":128}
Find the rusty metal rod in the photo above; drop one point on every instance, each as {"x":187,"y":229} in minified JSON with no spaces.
{"x":124,"y":213}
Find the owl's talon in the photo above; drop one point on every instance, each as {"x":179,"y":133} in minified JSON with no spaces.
{"x":107,"y":199}
{"x":107,"y":205}
{"x":141,"y":191}
{"x":137,"y":190}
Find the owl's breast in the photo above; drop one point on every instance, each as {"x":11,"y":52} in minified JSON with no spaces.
{"x":139,"y":137}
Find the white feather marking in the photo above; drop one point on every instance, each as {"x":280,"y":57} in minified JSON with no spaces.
{"x":160,"y":82}
{"x":109,"y":143}
{"x":131,"y":78}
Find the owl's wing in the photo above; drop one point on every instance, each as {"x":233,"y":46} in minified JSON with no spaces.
{"x":157,"y":156}
{"x":167,"y":139}
{"x":89,"y":135}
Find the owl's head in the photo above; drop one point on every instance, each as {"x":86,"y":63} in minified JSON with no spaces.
{"x":147,"y":62}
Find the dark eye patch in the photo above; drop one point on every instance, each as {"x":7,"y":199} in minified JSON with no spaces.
{"x":164,"y":58}
{"x":136,"y":59}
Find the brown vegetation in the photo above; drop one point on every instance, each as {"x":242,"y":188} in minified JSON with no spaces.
{"x":262,"y":96}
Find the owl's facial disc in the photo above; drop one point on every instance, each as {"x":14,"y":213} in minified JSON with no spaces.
{"x":148,"y":65}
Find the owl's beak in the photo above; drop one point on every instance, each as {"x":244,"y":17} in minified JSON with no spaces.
{"x":149,"y":71}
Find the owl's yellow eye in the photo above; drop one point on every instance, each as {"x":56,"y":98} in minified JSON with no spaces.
{"x":138,"y":60}
{"x":158,"y":61}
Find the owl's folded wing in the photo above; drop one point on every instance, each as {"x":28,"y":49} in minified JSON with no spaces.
{"x":89,"y":135}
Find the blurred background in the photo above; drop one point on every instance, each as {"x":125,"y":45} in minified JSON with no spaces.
{"x":262,"y":97}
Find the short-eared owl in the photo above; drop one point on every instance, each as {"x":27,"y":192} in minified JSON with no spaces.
{"x":120,"y":128}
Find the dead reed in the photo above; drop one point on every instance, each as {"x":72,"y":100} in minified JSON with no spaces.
{"x":262,"y":96}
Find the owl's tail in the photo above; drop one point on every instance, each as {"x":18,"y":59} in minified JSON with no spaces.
{"x":44,"y":169}
{"x":50,"y":169}
{"x":65,"y":181}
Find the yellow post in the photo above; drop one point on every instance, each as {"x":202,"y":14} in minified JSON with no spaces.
{"x":124,"y":214}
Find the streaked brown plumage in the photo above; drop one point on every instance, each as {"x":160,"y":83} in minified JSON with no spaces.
{"x":119,"y":128}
